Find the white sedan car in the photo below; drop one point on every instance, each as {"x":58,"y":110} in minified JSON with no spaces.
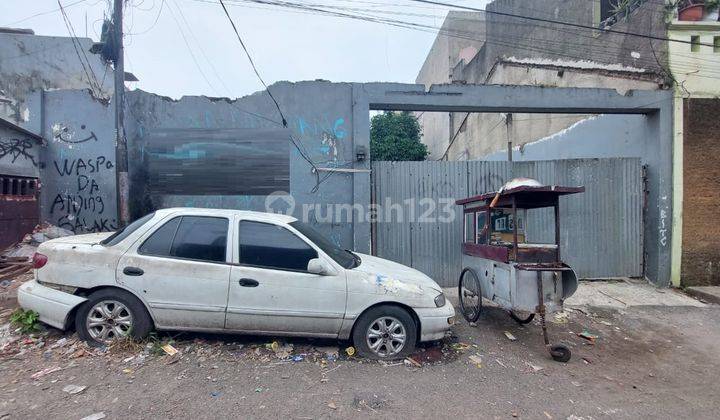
{"x":232,"y":271}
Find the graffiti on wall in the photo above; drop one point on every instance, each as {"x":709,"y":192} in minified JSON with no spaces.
{"x":82,"y":206}
{"x":329,"y":131}
{"x":14,"y":149}
{"x":65,"y":134}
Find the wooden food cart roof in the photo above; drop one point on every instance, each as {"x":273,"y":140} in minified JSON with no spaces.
{"x":526,"y":196}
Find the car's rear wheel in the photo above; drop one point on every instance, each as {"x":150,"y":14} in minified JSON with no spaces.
{"x":112,"y":314}
{"x":385,"y":333}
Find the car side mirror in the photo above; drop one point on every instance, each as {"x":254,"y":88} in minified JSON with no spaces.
{"x":319,"y":267}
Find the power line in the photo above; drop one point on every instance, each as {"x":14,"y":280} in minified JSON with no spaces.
{"x":200,"y":47}
{"x":433,"y":29}
{"x":252,"y":63}
{"x":47,"y":12}
{"x":303,"y":152}
{"x":78,"y":49}
{"x":154,"y":23}
{"x":192,"y":54}
{"x":558,"y":22}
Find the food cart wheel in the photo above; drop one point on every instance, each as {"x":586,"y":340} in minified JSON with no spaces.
{"x":470,"y":294}
{"x":560,"y":353}
{"x":520,"y":320}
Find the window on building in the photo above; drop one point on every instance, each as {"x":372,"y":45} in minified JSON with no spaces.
{"x":12,"y":185}
{"x":607,"y":9}
{"x":716,"y":44}
{"x":609,"y":12}
{"x":272,"y":246}
{"x":695,"y":43}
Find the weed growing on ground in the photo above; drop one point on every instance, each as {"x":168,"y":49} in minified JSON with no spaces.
{"x":27,"y":321}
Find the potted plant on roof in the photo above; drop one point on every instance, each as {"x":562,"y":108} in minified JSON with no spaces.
{"x":713,"y":7}
{"x":691,"y":10}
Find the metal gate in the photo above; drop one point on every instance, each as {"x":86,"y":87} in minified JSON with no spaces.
{"x":19,"y":212}
{"x":417,"y":223}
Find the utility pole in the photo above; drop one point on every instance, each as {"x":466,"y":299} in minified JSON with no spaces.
{"x":121,"y":152}
{"x":508,"y":125}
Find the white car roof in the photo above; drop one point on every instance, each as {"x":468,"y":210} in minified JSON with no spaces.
{"x":255,"y":215}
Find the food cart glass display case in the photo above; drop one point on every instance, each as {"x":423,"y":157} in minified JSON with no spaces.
{"x":502,"y":265}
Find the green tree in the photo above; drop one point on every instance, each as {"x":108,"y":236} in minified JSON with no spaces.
{"x":396,"y":136}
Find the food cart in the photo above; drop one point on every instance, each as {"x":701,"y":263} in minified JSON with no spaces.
{"x":501,"y":265}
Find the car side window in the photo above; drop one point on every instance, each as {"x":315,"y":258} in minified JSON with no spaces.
{"x":192,"y":237}
{"x":272,"y":246}
{"x":201,"y":238}
{"x":160,"y":241}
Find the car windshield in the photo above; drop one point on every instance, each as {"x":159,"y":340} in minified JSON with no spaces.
{"x":341,"y":256}
{"x":123,"y":233}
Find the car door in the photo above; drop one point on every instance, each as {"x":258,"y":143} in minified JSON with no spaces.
{"x":271,"y":290}
{"x":181,"y":270}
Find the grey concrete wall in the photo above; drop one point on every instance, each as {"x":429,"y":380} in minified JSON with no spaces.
{"x":78,"y":163}
{"x":509,"y":36}
{"x":603,"y":136}
{"x":460,"y":37}
{"x":19,"y":153}
{"x":320,"y":117}
{"x":31,"y":63}
{"x":487,"y":133}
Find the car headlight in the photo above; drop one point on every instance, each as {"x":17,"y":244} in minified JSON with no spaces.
{"x":440,"y":300}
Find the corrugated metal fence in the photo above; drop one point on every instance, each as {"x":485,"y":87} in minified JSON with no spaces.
{"x":419,"y":225}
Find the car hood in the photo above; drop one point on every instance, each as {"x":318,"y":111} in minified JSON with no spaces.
{"x":89,"y":238}
{"x":394,"y":277}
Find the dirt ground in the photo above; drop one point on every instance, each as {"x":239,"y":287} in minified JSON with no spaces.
{"x":647,"y":361}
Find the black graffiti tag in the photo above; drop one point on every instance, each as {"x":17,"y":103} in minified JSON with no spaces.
{"x":82,"y":209}
{"x":16,"y":148}
{"x":77,"y":224}
{"x":65,"y":136}
{"x":81,"y":166}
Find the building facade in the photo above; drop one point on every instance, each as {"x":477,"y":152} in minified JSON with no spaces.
{"x":518,"y":51}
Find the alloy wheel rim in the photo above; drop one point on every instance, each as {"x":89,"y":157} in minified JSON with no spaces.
{"x":108,"y":320}
{"x":386,"y":336}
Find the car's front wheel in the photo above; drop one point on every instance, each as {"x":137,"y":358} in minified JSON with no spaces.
{"x":111,"y":314}
{"x":385,"y":333}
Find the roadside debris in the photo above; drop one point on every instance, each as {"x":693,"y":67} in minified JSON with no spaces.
{"x":74,"y":389}
{"x":24,"y":250}
{"x":410,"y":362}
{"x":44,"y":372}
{"x":460,"y":346}
{"x":476,"y":360}
{"x":169,"y":349}
{"x":11,"y":266}
{"x":534,"y":368}
{"x":510,"y":336}
{"x":94,"y":416}
{"x":588,"y":336}
{"x":560,"y":317}
{"x":332,"y":405}
{"x":350,"y":351}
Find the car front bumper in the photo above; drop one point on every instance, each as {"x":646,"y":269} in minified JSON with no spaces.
{"x":435,"y":322}
{"x":52,"y":305}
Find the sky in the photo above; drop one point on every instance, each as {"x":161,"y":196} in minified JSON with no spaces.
{"x":187,"y":47}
